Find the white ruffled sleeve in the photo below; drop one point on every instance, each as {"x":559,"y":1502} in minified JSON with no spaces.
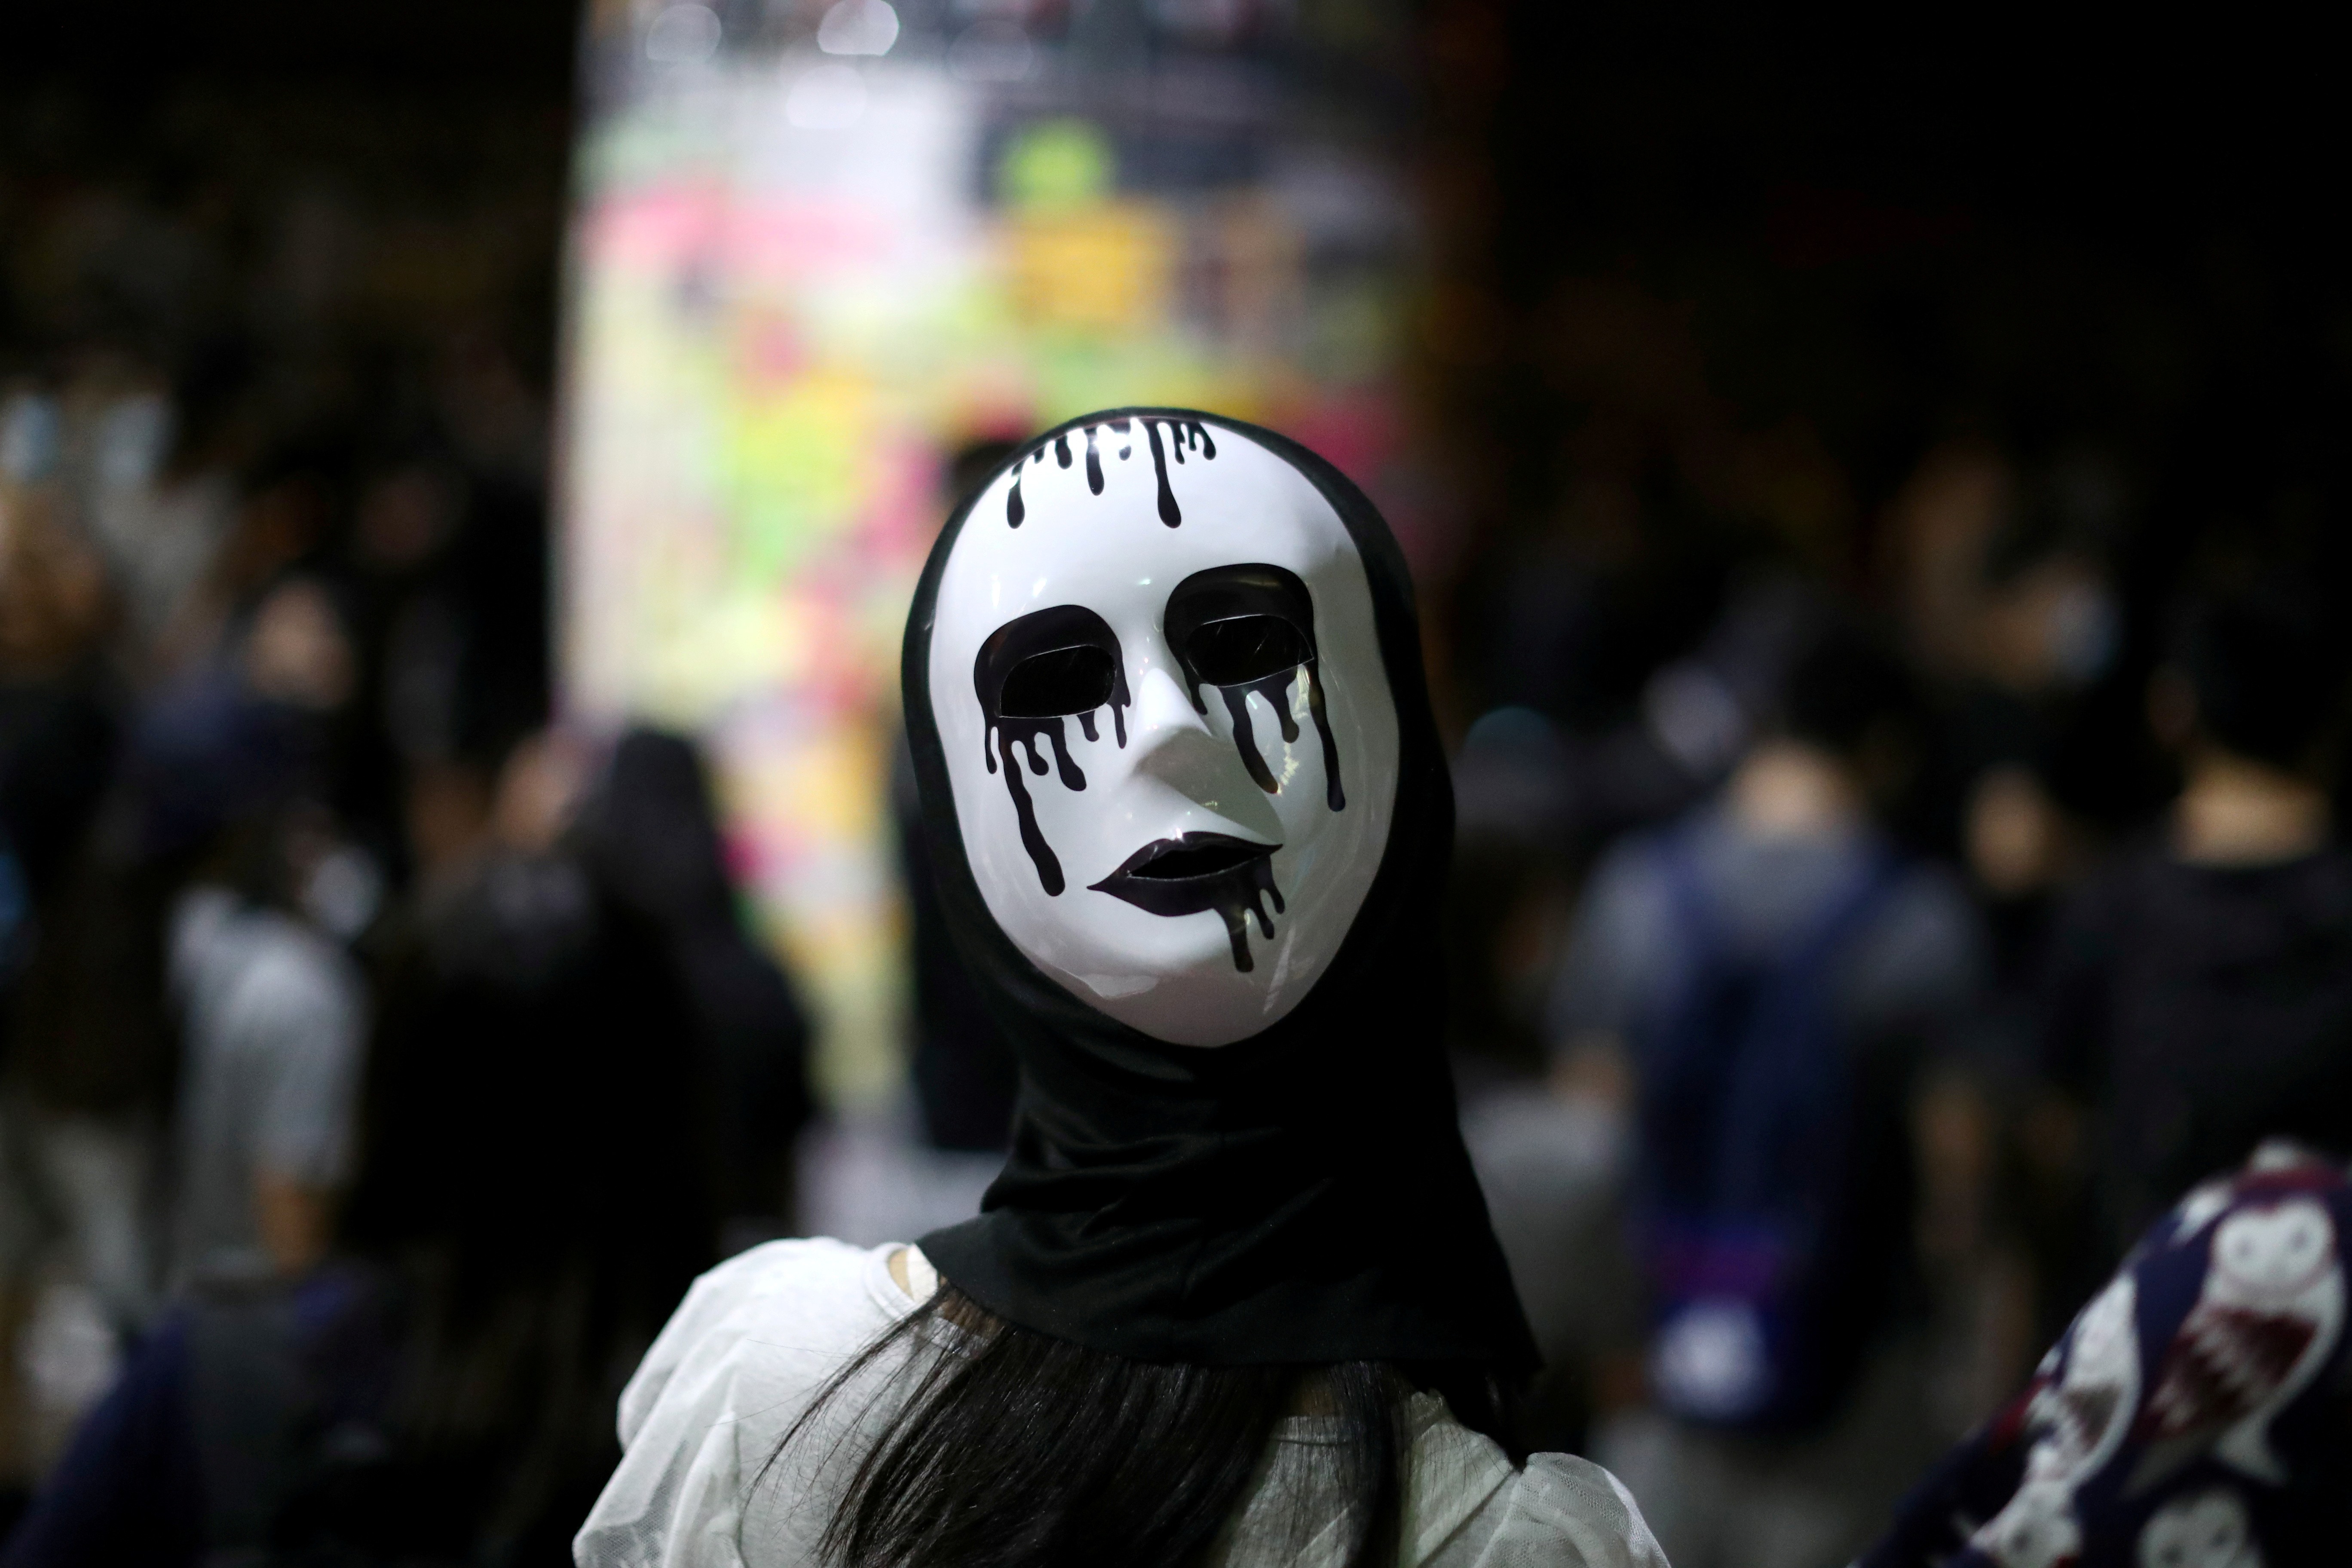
{"x":1558,"y":1512}
{"x":1467,"y":1507}
{"x":736,"y":1365}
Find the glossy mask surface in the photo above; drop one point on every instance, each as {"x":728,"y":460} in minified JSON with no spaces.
{"x":1167,"y":725}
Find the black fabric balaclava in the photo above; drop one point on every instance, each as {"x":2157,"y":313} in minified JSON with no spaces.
{"x":1208,"y":920}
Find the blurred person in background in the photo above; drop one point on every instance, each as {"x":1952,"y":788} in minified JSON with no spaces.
{"x":650,"y":828}
{"x":288,"y":501}
{"x":1653,"y":633}
{"x":59,"y":711}
{"x":2027,"y":642}
{"x":73,"y":1150}
{"x":272,"y":1009}
{"x":145,"y":468}
{"x":2013,"y":613}
{"x":2200,"y":991}
{"x":529,"y":1203}
{"x":58,"y":701}
{"x":1763,"y":980}
{"x":2193,"y":1415}
{"x":273,"y":1012}
{"x":452,"y":581}
{"x":1656,"y":640}
{"x":2013,"y":606}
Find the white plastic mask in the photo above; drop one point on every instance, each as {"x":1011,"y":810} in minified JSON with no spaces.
{"x":1168,"y":728}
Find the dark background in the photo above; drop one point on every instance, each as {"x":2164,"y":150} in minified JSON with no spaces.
{"x":1863,"y":236}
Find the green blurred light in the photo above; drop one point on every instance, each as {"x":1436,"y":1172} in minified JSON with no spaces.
{"x":1056,"y":163}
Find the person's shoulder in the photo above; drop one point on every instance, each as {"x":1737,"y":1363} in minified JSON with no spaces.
{"x":806,"y":1279}
{"x":1468,"y":1507}
{"x":782,"y":1313}
{"x":199,"y":916}
{"x":753,"y":1343}
{"x":206,"y":942}
{"x":1922,"y":943}
{"x":792,"y":1267}
{"x":1629,"y":881}
{"x":1558,"y":1509}
{"x":288,"y":964}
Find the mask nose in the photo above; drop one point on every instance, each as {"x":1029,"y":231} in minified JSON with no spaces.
{"x":1162,"y":711}
{"x":1173,"y":741}
{"x":1177,"y":750}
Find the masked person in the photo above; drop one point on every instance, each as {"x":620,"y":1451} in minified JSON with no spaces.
{"x":1235,"y":1297}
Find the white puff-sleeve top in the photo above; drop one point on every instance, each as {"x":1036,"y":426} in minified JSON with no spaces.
{"x":702,"y":1481}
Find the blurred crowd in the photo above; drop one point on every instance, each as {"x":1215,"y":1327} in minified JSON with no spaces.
{"x":1853,"y":976}
{"x":324,"y":964}
{"x":1843,"y":981}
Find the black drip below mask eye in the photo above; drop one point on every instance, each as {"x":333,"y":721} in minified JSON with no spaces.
{"x":1033,"y":672}
{"x":1247,"y":628}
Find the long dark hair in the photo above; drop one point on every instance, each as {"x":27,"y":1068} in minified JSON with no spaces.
{"x":1010,"y":1448}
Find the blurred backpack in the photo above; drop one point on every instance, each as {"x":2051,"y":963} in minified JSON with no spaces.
{"x":1744,"y":1203}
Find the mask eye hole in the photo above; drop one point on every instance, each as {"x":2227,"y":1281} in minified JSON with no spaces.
{"x":1243,"y":648}
{"x":1057,"y":683}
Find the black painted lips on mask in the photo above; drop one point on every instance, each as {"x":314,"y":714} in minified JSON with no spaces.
{"x":1197,"y":872}
{"x":1301,"y":1195}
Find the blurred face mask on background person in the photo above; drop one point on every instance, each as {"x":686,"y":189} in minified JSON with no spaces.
{"x":1168,"y":727}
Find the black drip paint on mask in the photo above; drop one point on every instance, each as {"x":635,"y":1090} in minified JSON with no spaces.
{"x":1237,"y":929}
{"x":1184,"y":434}
{"x":1180,"y":432}
{"x":1040,"y":632}
{"x":1014,"y":510}
{"x":1257,"y":589}
{"x":1009,"y":733}
{"x":1168,"y":511}
{"x":1275,"y":689}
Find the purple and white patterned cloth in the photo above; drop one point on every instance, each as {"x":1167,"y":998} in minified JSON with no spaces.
{"x":2197,"y":1413}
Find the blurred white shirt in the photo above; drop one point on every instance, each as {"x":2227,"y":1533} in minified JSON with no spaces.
{"x":274,"y":1015}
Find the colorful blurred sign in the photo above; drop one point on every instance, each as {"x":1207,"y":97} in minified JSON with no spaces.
{"x":817,"y":251}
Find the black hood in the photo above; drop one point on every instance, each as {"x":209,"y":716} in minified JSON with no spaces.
{"x":1301,"y":1195}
